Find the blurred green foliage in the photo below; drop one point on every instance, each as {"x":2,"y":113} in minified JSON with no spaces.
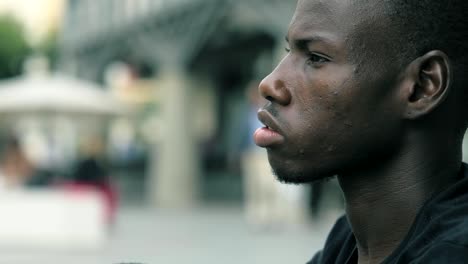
{"x":13,"y":47}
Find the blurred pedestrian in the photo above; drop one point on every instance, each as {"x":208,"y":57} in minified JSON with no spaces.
{"x":15,"y":167}
{"x":91,"y":174}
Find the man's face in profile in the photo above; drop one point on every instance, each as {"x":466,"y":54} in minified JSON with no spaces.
{"x":332,"y":99}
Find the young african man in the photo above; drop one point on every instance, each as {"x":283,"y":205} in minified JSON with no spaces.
{"x":375,"y":92}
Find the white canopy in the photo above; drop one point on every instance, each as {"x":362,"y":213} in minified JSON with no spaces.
{"x":44,"y":94}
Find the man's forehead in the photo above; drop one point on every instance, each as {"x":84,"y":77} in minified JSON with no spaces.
{"x":342,"y":18}
{"x":317,"y":15}
{"x":349,"y":23}
{"x":328,"y":7}
{"x":320,"y":5}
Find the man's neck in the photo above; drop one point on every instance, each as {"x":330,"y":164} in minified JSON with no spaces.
{"x":382,"y":203}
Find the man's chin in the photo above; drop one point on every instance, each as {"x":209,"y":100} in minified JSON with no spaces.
{"x":295,"y":177}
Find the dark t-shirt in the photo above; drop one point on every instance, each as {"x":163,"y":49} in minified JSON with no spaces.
{"x":439,"y":233}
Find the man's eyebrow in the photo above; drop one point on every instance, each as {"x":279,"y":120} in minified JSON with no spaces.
{"x":303,"y":42}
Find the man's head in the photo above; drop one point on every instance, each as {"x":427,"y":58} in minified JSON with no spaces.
{"x":359,"y":78}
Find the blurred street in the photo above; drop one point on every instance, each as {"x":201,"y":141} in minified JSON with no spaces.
{"x":207,"y":235}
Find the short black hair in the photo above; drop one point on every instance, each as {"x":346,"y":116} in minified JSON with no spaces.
{"x":425,"y":25}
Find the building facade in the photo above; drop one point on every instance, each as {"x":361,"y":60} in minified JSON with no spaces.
{"x":201,"y":54}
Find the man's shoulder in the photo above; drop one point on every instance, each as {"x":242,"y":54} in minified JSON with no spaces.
{"x":449,"y":243}
{"x":441,"y":230}
{"x":444,"y":252}
{"x":457,"y":232}
{"x":446,"y":218}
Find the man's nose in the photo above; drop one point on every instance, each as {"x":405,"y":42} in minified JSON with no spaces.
{"x":274,"y":89}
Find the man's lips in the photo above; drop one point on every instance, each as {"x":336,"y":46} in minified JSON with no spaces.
{"x":269,"y":135}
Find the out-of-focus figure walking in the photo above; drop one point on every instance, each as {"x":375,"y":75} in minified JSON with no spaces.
{"x":91,"y":174}
{"x":15,"y":167}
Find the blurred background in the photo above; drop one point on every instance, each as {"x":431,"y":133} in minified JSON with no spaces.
{"x":126,"y":135}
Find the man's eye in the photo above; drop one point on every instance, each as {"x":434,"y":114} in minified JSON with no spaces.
{"x":315,"y":59}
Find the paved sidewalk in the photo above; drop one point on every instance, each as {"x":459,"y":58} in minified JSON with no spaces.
{"x":208,"y":235}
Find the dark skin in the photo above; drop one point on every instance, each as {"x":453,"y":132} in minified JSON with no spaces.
{"x":343,"y":102}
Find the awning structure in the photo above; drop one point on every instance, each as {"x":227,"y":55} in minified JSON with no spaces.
{"x":56,"y":94}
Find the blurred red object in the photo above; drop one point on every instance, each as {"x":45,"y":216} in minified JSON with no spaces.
{"x":107,"y":191}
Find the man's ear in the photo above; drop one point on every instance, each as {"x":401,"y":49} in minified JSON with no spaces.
{"x":429,"y":79}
